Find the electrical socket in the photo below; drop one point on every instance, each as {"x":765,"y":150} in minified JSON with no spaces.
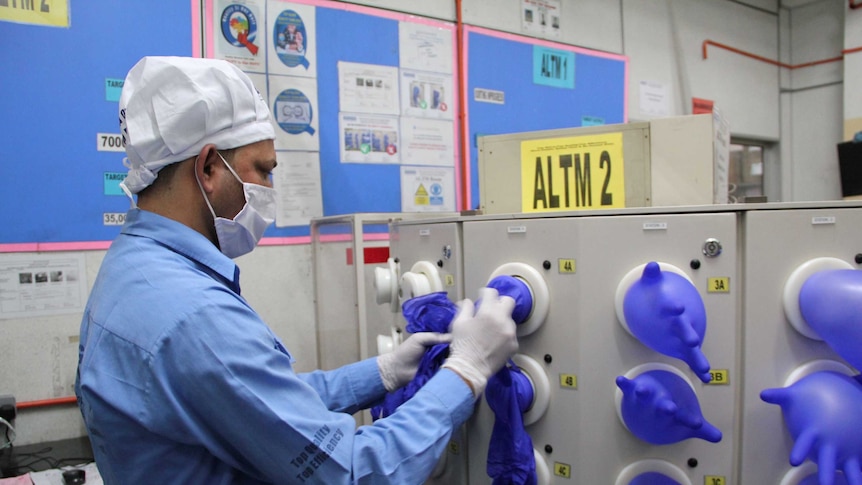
{"x":5,"y":401}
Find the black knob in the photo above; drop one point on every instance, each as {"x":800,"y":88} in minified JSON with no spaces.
{"x":546,"y":265}
{"x":548,"y":358}
{"x":692,"y":462}
{"x":549,"y":449}
{"x":695,"y":264}
{"x":859,"y":258}
{"x":440,"y":263}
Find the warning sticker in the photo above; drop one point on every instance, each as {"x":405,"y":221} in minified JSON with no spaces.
{"x":421,"y":196}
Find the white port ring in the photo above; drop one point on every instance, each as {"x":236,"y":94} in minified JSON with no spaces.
{"x":666,"y":468}
{"x":793,"y":286}
{"x":541,"y":387}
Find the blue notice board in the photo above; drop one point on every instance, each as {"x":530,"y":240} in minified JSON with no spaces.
{"x":517,"y":84}
{"x":58,"y":92}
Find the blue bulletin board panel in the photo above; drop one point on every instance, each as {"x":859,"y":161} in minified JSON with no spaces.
{"x":517,"y":84}
{"x":342,"y":33}
{"x":56,"y":98}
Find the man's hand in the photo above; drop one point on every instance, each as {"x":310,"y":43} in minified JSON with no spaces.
{"x":398,"y":367}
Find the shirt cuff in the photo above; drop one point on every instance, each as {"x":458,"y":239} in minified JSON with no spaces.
{"x":366,"y":382}
{"x":451,"y":390}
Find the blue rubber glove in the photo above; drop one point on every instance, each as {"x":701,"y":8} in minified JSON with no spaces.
{"x":660,"y":407}
{"x":653,"y":478}
{"x":665,"y":312}
{"x":510,"y":451}
{"x":428,"y":313}
{"x":822,"y":413}
{"x":830,"y":303}
{"x":517,"y":290}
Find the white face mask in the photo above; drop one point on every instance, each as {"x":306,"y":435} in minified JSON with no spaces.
{"x":240,"y":235}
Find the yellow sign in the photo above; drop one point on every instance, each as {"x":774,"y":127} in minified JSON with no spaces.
{"x":713,"y":480}
{"x":569,"y":380}
{"x":562,"y":470}
{"x":573,"y":173}
{"x":719,"y":377}
{"x":421,"y":196}
{"x":450,"y":280}
{"x":718,"y":285}
{"x":43,"y":12}
{"x":567,"y":265}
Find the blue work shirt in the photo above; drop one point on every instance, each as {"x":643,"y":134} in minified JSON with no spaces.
{"x":180,"y":381}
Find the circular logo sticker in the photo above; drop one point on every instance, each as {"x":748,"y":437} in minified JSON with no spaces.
{"x":239,"y":27}
{"x":290,"y":39}
{"x":293,"y":112}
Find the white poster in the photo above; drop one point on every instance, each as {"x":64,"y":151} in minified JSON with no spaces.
{"x":427,"y":189}
{"x":425,"y":47}
{"x":541,"y":17}
{"x":292,"y":41}
{"x":427,"y":142}
{"x":42,"y":285}
{"x":240,"y":33}
{"x":368,"y":138}
{"x":293,"y":103}
{"x":367,"y":88}
{"x":427,"y":95}
{"x":653,"y":99}
{"x":297,"y":181}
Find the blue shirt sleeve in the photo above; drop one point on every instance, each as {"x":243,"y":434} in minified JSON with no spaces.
{"x":230,"y":388}
{"x":348,"y":389}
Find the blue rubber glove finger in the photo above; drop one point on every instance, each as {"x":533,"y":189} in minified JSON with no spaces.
{"x":802,"y":447}
{"x":852,"y":471}
{"x":826,"y":465}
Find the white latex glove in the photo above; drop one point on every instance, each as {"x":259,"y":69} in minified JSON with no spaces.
{"x":482,"y":344}
{"x":399,"y":367}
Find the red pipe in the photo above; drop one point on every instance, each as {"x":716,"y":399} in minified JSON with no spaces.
{"x":770,"y":61}
{"x":854,"y":5}
{"x":855,"y":49}
{"x":462,"y":107}
{"x":47,"y":402}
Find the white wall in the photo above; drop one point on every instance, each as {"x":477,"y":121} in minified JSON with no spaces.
{"x":662,"y":38}
{"x":812,"y":101}
{"x":39,"y":356}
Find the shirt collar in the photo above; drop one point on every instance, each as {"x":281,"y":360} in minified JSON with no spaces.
{"x":183,"y":240}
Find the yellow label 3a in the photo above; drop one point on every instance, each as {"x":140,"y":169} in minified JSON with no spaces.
{"x":719,"y":284}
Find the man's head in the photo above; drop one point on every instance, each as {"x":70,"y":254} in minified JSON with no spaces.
{"x":200,"y":148}
{"x":172,"y":107}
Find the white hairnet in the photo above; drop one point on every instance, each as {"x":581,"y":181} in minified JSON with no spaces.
{"x":171,"y":107}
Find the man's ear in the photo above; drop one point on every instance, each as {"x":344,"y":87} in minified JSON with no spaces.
{"x":205,"y":167}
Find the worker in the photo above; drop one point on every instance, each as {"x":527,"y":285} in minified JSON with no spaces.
{"x":179,"y":379}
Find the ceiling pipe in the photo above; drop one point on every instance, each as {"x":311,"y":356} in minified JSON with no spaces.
{"x":773,"y":62}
